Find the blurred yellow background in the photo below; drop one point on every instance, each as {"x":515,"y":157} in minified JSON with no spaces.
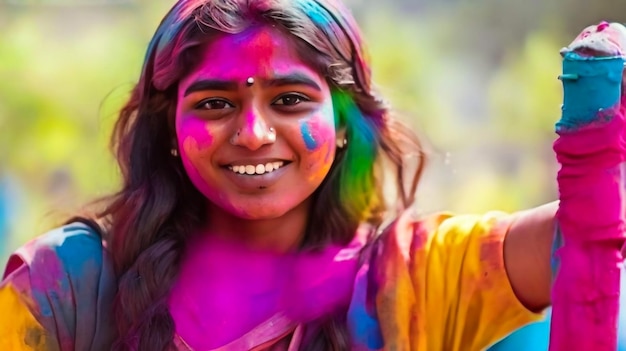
{"x":476,"y":78}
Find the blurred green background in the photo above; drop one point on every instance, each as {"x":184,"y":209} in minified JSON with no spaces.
{"x":476,"y":78}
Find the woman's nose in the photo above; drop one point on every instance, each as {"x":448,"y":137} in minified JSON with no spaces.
{"x":254,"y":130}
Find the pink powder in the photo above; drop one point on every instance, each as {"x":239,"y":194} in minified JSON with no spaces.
{"x":229,"y":289}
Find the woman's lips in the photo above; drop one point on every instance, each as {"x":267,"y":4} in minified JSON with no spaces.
{"x":257,"y":180}
{"x":256,"y":168}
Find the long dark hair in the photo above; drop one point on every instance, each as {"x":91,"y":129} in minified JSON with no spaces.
{"x":147,"y":222}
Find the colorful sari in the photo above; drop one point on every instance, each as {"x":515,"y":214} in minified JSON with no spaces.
{"x":437,"y":283}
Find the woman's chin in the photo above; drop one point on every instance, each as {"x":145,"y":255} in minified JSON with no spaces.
{"x":257,"y":216}
{"x":257,"y":208}
{"x":258,"y":213}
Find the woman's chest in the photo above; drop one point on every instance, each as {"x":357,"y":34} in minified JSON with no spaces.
{"x":217,"y":301}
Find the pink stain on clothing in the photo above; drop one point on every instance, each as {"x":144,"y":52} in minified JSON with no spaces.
{"x":229,"y":289}
{"x":55,"y":272}
{"x":591,"y":219}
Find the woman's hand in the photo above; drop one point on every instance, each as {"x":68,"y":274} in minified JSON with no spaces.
{"x":593,"y":68}
{"x":591,"y":151}
{"x":528,"y":245}
{"x":603,"y":39}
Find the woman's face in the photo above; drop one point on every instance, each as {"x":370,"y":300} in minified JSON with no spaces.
{"x":255,"y":125}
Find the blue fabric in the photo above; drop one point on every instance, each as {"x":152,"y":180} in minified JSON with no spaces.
{"x":72,"y":287}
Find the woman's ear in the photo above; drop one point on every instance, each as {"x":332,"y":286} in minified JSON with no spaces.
{"x":174,"y":148}
{"x":341,"y":139}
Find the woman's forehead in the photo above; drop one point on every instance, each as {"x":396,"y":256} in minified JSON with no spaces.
{"x":261,"y":52}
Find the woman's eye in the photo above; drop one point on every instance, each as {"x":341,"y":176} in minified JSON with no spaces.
{"x":214,"y":104}
{"x":290,"y":100}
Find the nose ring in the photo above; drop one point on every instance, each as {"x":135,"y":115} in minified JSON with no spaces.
{"x":271,"y":135}
{"x":233,"y":139}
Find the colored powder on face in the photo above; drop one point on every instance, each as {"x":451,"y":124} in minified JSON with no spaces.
{"x":260,"y":41}
{"x":191,"y":152}
{"x":190,"y":147}
{"x":323,"y":162}
{"x":308,"y":137}
{"x":318,"y":134}
{"x":191,"y":127}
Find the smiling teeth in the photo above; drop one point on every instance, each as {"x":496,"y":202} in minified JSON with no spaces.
{"x":258,"y":169}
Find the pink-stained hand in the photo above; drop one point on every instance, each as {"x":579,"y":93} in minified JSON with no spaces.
{"x":603,"y":39}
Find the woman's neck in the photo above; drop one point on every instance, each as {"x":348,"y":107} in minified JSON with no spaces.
{"x":279,"y":235}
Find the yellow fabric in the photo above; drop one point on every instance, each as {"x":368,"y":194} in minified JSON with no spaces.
{"x":19,"y":330}
{"x":440,"y":285}
{"x":443,"y":284}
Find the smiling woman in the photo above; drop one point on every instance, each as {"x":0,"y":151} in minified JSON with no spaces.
{"x":223,"y":124}
{"x":254,"y":151}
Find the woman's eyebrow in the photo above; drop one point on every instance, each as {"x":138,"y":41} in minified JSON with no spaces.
{"x":210,"y":84}
{"x":231,"y":85}
{"x":292,"y":79}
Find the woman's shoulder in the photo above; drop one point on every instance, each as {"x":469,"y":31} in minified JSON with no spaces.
{"x":61,"y":276}
{"x":453,"y":262}
{"x":411,"y":230}
{"x":74,"y":248}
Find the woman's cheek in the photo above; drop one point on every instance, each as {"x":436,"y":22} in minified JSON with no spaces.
{"x":190,"y":126}
{"x":195,"y":141}
{"x":190,"y":154}
{"x":318,"y":137}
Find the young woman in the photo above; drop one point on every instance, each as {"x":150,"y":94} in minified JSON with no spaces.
{"x":252,"y":214}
